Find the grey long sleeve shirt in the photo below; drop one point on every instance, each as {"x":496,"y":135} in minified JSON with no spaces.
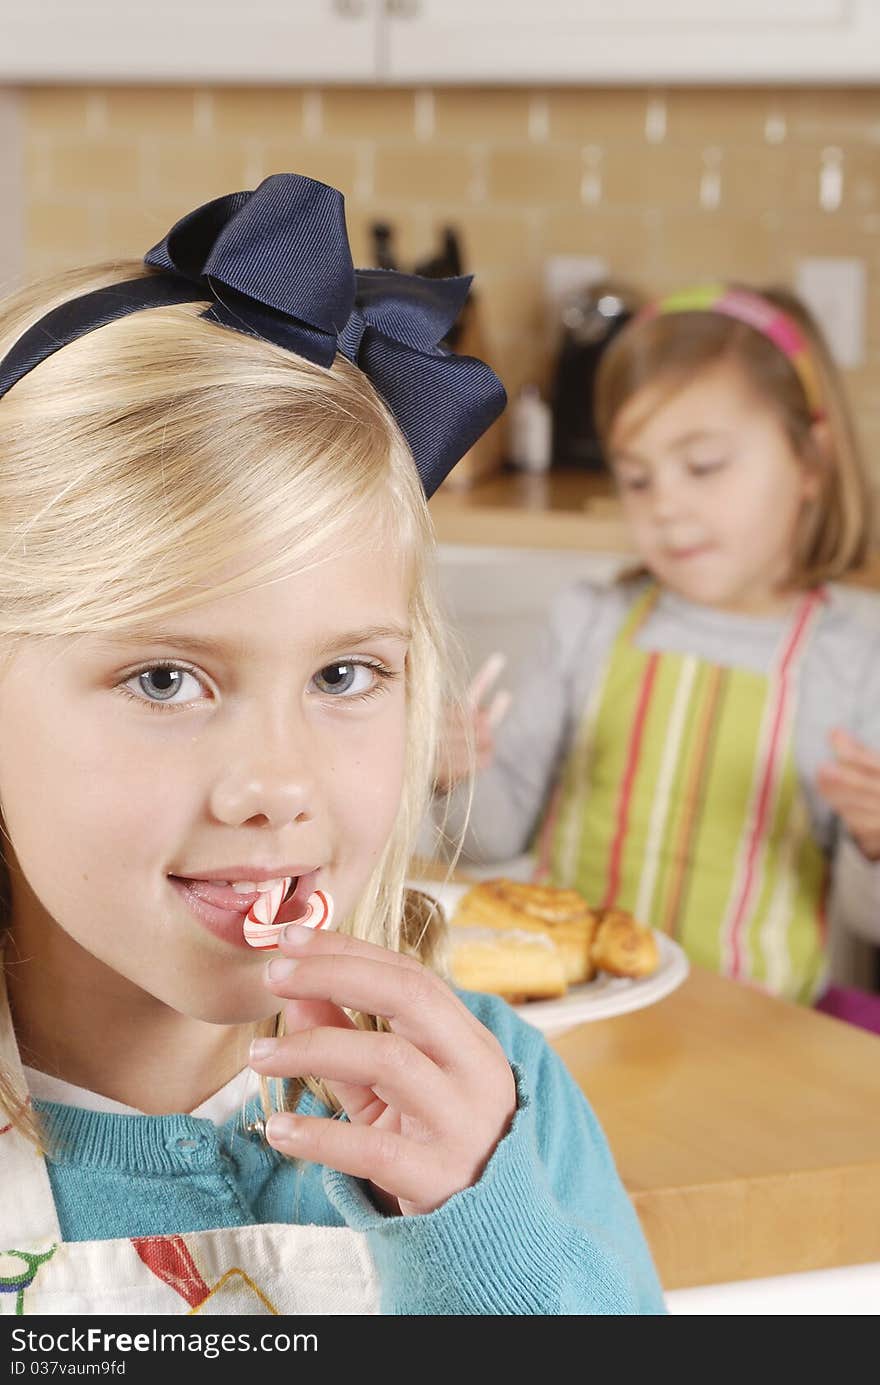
{"x":839,"y":686}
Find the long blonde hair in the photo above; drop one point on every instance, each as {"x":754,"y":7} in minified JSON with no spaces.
{"x":833,"y":533}
{"x":163,"y":432}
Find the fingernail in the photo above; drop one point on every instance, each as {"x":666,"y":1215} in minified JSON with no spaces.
{"x":280,"y":1126}
{"x":281,"y":968}
{"x":297,"y":935}
{"x":261,"y":1048}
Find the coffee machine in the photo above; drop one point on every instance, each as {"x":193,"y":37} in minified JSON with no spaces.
{"x":590,"y":320}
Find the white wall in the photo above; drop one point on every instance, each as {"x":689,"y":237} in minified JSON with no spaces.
{"x":497,"y":597}
{"x":11,"y":191}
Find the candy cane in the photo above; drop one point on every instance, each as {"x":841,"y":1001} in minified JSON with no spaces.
{"x":260,"y":928}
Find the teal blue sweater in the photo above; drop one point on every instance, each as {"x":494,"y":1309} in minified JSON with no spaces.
{"x":547,"y":1229}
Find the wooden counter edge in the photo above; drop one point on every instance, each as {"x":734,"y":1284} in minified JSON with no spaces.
{"x":755,"y":1229}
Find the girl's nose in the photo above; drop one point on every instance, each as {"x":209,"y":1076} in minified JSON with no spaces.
{"x":276,"y":784}
{"x":255,"y":796}
{"x":667,"y":499}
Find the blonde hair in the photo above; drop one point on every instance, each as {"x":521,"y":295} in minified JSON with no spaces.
{"x":163,"y":432}
{"x":668,"y":350}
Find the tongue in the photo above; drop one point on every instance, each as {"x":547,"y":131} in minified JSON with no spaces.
{"x":222,"y":896}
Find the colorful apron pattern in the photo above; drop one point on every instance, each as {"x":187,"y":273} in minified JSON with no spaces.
{"x":680,"y":802}
{"x":253,"y":1270}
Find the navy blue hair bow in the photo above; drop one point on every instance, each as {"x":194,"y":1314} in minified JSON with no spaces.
{"x":275,"y":263}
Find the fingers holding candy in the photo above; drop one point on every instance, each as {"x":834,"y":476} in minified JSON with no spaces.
{"x":356,"y":975}
{"x":427,"y":1101}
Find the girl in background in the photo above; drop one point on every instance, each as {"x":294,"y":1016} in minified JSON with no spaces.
{"x":221,"y":666}
{"x":699,"y":743}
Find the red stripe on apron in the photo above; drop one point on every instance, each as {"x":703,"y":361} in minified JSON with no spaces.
{"x":632,"y":760}
{"x":768,"y":782}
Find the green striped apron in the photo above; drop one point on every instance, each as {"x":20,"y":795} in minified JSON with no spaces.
{"x":680,"y":802}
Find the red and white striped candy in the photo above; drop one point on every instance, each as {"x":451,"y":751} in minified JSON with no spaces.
{"x":260,"y":928}
{"x":258,"y":925}
{"x":319,"y":910}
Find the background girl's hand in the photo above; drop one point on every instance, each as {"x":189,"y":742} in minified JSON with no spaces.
{"x":452,"y":757}
{"x":426,"y":1103}
{"x":851,"y":784}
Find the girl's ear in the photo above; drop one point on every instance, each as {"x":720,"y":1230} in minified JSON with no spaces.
{"x":818,"y":465}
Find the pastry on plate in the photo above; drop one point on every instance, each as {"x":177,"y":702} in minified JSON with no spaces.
{"x":623,"y":947}
{"x":561,"y":915}
{"x":516,"y":964}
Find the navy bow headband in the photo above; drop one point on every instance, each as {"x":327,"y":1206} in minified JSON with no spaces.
{"x":275,"y":263}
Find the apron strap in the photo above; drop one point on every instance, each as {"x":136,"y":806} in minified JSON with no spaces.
{"x":29,"y":1217}
{"x":775,"y":732}
{"x":638,"y":613}
{"x":542,"y":843}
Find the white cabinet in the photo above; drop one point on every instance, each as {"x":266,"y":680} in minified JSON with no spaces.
{"x":603,"y":41}
{"x":439,"y":41}
{"x":189,"y":40}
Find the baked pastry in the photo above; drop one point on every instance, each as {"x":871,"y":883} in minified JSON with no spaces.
{"x":515,"y":964}
{"x":561,"y":915}
{"x":623,"y":947}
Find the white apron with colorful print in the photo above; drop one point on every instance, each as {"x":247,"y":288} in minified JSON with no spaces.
{"x":253,"y":1270}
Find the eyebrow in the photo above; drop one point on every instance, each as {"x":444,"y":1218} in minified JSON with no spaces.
{"x":697,"y":435}
{"x":232,"y":649}
{"x":622,"y":454}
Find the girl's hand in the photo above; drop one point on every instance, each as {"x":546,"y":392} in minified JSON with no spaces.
{"x":427,"y":1103}
{"x":852,"y":786}
{"x":453,"y":762}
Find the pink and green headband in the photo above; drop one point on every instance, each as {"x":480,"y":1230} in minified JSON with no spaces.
{"x":766,"y":318}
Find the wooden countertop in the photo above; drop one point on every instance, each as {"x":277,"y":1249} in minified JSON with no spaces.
{"x":745,"y":1129}
{"x":558,"y":509}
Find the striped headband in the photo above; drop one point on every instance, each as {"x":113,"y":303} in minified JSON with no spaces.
{"x":766,"y":318}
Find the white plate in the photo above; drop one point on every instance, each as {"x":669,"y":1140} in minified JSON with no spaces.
{"x":595,"y":1000}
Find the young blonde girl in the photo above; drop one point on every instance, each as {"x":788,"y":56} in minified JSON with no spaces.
{"x":221,"y":667}
{"x":700,"y":742}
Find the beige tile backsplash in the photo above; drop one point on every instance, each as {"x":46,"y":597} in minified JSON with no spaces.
{"x":666,"y":186}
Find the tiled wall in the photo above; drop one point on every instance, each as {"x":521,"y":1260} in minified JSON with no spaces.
{"x":667,"y":186}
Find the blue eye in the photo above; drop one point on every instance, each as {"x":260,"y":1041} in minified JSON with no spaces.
{"x":161,"y":683}
{"x":342,"y":677}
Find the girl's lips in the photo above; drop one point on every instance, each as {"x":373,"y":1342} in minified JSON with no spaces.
{"x":679,"y":555}
{"x":219,"y":909}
